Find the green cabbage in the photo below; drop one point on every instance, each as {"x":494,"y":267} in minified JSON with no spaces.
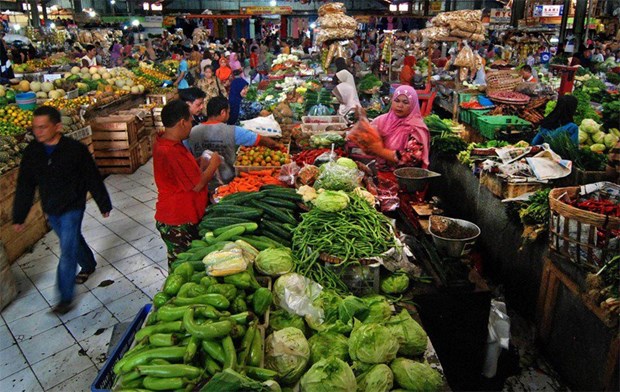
{"x":329,"y":375}
{"x":329,"y":302}
{"x":411,"y":336}
{"x":598,"y":147}
{"x":280,"y":319}
{"x":274,"y":261}
{"x":328,"y":344}
{"x":598,"y":137}
{"x":395,"y":284}
{"x":589,"y":126}
{"x":331,"y":201}
{"x":378,"y":379}
{"x":610,"y":140}
{"x":347,"y":162}
{"x":287,"y":352}
{"x":416,"y":376}
{"x":379,"y":309}
{"x":351,"y":307}
{"x":372,"y":343}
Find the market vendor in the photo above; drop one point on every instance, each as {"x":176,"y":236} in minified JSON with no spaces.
{"x":182,"y":193}
{"x":560,"y":120}
{"x":90,"y":58}
{"x":347,"y":96}
{"x":527,"y":75}
{"x":397,"y":138}
{"x":407,"y":73}
{"x":215,"y":135}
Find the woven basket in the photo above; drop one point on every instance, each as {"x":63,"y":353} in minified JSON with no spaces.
{"x":502,"y":81}
{"x":585,"y":237}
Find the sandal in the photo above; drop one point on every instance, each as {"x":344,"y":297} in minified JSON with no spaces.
{"x":63,"y":307}
{"x":82,"y":277}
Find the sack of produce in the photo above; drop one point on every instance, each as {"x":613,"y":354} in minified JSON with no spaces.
{"x":335,"y":21}
{"x":464,"y":15}
{"x":435,"y":33}
{"x":477,"y":28}
{"x":332,"y":8}
{"x":468,"y":35}
{"x":465,"y":58}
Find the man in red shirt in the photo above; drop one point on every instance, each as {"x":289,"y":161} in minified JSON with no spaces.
{"x":181,"y":186}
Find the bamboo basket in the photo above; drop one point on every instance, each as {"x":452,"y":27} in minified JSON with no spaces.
{"x":502,"y":81}
{"x":586,"y":238}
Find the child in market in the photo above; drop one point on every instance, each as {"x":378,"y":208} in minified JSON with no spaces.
{"x":182,"y":193}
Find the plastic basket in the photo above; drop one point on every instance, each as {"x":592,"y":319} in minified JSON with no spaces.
{"x":475,"y":115}
{"x":26,"y":101}
{"x":467,"y":96}
{"x":491,"y":126}
{"x":468,"y":116}
{"x":105,"y":378}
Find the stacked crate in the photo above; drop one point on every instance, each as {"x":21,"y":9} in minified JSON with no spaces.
{"x":145,"y":144}
{"x":116,"y":141}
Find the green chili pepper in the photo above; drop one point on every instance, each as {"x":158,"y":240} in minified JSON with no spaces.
{"x":206,"y":331}
{"x":173,"y":284}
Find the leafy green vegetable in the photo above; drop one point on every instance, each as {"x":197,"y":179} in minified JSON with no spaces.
{"x":448,"y":145}
{"x":335,"y":178}
{"x":416,"y":376}
{"x":328,"y":344}
{"x":611,"y":113}
{"x":369,"y":82}
{"x":379,"y":309}
{"x":378,"y":379}
{"x":287,"y":352}
{"x":584,"y":107}
{"x":395,"y":284}
{"x":582,"y":158}
{"x":352,"y":307}
{"x":536,"y":209}
{"x":613,"y":77}
{"x":330,"y":374}
{"x":410,"y":335}
{"x":436,"y":125}
{"x":331,"y":201}
{"x":372,"y":343}
{"x":280,"y":319}
{"x":274,"y":261}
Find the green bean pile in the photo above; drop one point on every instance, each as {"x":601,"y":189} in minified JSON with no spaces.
{"x":357,"y":232}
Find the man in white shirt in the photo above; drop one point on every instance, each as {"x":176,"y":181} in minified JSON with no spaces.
{"x":90,"y":59}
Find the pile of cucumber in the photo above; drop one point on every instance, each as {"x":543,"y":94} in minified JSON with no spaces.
{"x":274,"y":209}
{"x":201,"y":326}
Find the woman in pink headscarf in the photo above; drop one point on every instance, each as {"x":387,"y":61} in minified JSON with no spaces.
{"x":234,"y":62}
{"x":398,"y":138}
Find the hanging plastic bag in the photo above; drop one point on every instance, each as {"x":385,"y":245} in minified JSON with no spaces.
{"x":264,"y":126}
{"x":206,"y":159}
{"x":288,"y":173}
{"x":498,"y":338}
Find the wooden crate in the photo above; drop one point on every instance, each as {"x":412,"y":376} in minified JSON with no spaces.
{"x":88,"y":142}
{"x":18,"y":243}
{"x":8,"y":183}
{"x":124,"y":161}
{"x":161,"y":99}
{"x":504,"y":189}
{"x":146,"y":150}
{"x":116,"y":132}
{"x":576,"y":333}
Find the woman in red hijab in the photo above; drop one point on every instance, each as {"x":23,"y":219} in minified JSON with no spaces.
{"x":407,"y":73}
{"x":224,"y":73}
{"x":398,"y":138}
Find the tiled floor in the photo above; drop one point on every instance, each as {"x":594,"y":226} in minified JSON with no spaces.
{"x":40,"y":351}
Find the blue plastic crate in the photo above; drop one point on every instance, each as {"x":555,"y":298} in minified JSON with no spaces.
{"x":105,"y":378}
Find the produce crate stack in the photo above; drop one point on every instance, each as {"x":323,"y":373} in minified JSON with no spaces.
{"x":116,"y":142}
{"x":161,"y":99}
{"x":145,"y":139}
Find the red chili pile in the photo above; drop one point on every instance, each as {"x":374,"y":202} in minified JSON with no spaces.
{"x":600,"y":206}
{"x":308,"y":156}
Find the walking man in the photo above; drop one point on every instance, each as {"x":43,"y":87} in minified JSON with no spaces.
{"x":64,"y":171}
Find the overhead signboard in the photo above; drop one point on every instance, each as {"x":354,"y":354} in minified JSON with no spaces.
{"x":262,"y":10}
{"x":548,"y":11}
{"x":499,"y":16}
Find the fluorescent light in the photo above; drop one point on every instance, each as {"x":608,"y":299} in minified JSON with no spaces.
{"x":273,"y":3}
{"x":92,"y":14}
{"x":17,"y":27}
{"x":313,"y":25}
{"x":135,"y":22}
{"x":404,"y":7}
{"x":112,"y":2}
{"x":52,"y":25}
{"x":393,"y":8}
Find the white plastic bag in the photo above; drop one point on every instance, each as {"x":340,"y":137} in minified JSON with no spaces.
{"x":264,"y":126}
{"x":498,"y":338}
{"x":206,"y":159}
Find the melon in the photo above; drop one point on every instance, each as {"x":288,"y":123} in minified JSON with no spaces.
{"x":84,"y":70}
{"x":24,"y":86}
{"x":141,"y":88}
{"x":47,"y":87}
{"x":55,"y":94}
{"x":35,"y":87}
{"x":129,"y":82}
{"x":126,"y":88}
{"x":106,"y":75}
{"x":75,"y":70}
{"x":135,"y":90}
{"x":2,"y":91}
{"x":93,"y":70}
{"x":62,"y":92}
{"x":120,"y":83}
{"x":86,"y":76}
{"x":42,"y":95}
{"x":101,"y":71}
{"x":96,"y":76}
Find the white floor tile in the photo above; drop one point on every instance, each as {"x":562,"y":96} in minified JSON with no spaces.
{"x":148,"y":242}
{"x":157,"y":254}
{"x":78,"y":383}
{"x":29,"y":326}
{"x":132,"y":264}
{"x":61,"y":366}
{"x":24,"y":306}
{"x":128,"y":306}
{"x":84,"y":303}
{"x":6,"y":338}
{"x":45,"y":279}
{"x":17,"y":272}
{"x":119,"y":252}
{"x":116,"y":215}
{"x":125,"y":204}
{"x":137,"y":190}
{"x":39,"y":251}
{"x":135,"y":233}
{"x":97,"y":346}
{"x":49,"y":238}
{"x":91,"y":323}
{"x":146,"y":276}
{"x":52,"y":295}
{"x":46,"y":344}
{"x":151,"y":204}
{"x":154,"y":288}
{"x":22,"y":381}
{"x":120,"y":288}
{"x":89,"y":223}
{"x":96,"y":232}
{"x":137,"y":210}
{"x":11,"y":361}
{"x":147,"y":220}
{"x":122,"y":226}
{"x":147,"y":196}
{"x":34,"y":267}
{"x":102,"y":274}
{"x":105,"y":243}
{"x":24,"y":286}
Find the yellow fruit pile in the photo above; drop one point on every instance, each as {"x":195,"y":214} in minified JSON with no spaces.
{"x":64,"y":103}
{"x":14,"y":115}
{"x":154,"y":73}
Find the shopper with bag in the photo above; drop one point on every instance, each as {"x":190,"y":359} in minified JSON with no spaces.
{"x":182,"y":193}
{"x":63,"y":170}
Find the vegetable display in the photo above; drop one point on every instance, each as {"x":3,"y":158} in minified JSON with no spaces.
{"x":248,"y":182}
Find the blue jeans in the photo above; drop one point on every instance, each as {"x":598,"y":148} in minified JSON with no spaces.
{"x":73,"y":251}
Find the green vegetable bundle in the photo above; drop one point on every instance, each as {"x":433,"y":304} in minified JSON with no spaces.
{"x":536,"y":210}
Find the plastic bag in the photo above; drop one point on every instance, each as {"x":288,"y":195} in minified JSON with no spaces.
{"x":328,"y":156}
{"x":288,"y":173}
{"x":388,"y":195}
{"x":335,"y":177}
{"x":295,"y":294}
{"x":264,"y":126}
{"x":465,"y":58}
{"x":225,"y":262}
{"x":204,"y":163}
{"x":498,"y":338}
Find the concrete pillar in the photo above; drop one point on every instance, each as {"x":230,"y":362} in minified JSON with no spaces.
{"x":518,"y":12}
{"x":34,"y":13}
{"x":564,"y":22}
{"x":77,"y":6}
{"x":578,"y":24}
